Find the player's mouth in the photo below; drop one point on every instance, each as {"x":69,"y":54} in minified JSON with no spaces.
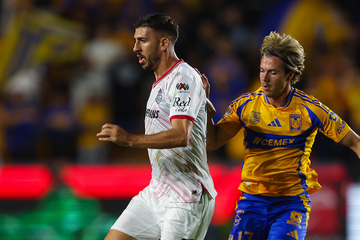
{"x":141,"y":59}
{"x":266,"y":87}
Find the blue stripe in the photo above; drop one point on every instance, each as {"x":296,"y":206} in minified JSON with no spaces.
{"x":302,"y":94}
{"x":239,"y":110}
{"x":317,"y":103}
{"x":269,"y":141}
{"x":266,"y":99}
{"x":314,"y":119}
{"x":239,"y":98}
{"x":288,"y":100}
{"x":307,"y":99}
{"x":302,"y":177}
{"x":277,"y":122}
{"x":314,"y":103}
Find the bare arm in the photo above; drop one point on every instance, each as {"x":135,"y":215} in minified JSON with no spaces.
{"x":177,"y":136}
{"x":352,"y":140}
{"x":216,"y":136}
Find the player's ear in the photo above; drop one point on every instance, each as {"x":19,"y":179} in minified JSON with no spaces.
{"x":164,"y":43}
{"x":290,"y":75}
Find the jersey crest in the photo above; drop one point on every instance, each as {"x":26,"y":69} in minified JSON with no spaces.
{"x":158,"y":98}
{"x":255,"y":117}
{"x":295,"y":123}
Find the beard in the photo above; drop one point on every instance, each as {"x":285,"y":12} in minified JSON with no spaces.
{"x":153,"y":60}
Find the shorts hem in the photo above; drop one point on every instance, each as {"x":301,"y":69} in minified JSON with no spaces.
{"x":124,"y":231}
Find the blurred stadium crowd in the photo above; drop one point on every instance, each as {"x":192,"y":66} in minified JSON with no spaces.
{"x":52,"y":103}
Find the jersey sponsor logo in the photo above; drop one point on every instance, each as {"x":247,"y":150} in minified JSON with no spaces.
{"x":341,"y":128}
{"x":275,"y":123}
{"x":295,"y":123}
{"x":151,"y":113}
{"x":158,"y":98}
{"x":273,"y":142}
{"x":255,"y":117}
{"x":181,"y":105}
{"x":334,"y":117}
{"x":182,"y":86}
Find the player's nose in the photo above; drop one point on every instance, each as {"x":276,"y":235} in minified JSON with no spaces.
{"x":136,"y":47}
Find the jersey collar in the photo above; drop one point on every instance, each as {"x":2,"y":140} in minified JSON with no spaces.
{"x":288,"y":100}
{"x":168,"y":72}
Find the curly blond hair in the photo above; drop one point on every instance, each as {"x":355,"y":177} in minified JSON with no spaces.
{"x":288,"y":50}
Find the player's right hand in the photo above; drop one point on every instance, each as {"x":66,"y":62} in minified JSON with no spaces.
{"x":114,"y":133}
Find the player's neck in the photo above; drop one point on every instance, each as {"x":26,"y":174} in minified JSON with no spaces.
{"x":167,"y":61}
{"x":280,"y":101}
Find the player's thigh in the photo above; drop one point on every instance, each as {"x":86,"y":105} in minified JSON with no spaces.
{"x":187,"y":220}
{"x":250,"y":220}
{"x":138,"y":220}
{"x":289,"y":218}
{"x":289,"y":226}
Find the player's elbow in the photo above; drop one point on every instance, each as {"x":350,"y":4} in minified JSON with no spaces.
{"x":183,"y":141}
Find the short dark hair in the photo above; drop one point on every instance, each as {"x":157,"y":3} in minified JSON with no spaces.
{"x":160,"y":22}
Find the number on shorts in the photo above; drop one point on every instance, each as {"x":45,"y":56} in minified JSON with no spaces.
{"x":250,"y":234}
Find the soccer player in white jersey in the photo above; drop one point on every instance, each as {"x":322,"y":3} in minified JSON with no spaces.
{"x":179,"y":202}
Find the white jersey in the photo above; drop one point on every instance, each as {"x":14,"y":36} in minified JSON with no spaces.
{"x":179,"y":174}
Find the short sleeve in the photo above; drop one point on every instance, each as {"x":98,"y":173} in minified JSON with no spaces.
{"x":185,"y":97}
{"x":328,"y":122}
{"x":230,"y":122}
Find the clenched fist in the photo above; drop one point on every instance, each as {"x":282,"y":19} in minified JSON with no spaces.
{"x":114,"y":133}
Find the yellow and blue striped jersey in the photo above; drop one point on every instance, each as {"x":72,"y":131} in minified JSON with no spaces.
{"x":278,"y":141}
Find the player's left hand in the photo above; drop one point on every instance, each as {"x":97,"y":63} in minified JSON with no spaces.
{"x":114,"y":133}
{"x":205,"y":82}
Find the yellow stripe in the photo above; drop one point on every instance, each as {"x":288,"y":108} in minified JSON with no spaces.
{"x":307,"y":206}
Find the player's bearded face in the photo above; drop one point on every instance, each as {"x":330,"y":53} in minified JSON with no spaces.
{"x":147,"y":47}
{"x":152,"y":60}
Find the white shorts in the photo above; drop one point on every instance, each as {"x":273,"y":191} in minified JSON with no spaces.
{"x":148,"y":218}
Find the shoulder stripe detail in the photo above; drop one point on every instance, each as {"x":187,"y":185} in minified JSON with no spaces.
{"x":315,"y":119}
{"x":302,"y":94}
{"x":315,"y":102}
{"x":240,"y":109}
{"x":245,"y":95}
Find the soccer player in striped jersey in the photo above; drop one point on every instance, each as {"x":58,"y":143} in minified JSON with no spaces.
{"x":280,"y":124}
{"x":180,"y":199}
